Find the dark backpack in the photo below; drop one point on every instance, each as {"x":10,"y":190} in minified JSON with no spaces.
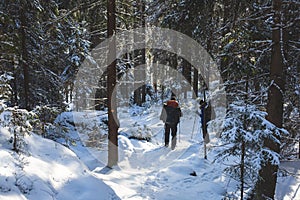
{"x":173,"y":114}
{"x":209,"y":113}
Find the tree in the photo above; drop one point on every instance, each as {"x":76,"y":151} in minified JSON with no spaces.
{"x":291,"y":48}
{"x":267,"y":183}
{"x":111,"y":83}
{"x":42,"y":48}
{"x":19,"y":126}
{"x":139,"y":56}
{"x":245,"y":129}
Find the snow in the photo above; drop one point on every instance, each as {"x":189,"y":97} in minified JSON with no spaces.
{"x":288,"y":185}
{"x":47,"y":171}
{"x":146,"y":169}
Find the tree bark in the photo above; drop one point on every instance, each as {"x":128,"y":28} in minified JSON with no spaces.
{"x":267,"y":183}
{"x":140,"y":57}
{"x":111,"y":83}
{"x":24,"y":58}
{"x":195,"y":83}
{"x":187,"y":68}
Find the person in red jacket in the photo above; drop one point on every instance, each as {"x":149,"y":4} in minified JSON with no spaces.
{"x":170,"y":115}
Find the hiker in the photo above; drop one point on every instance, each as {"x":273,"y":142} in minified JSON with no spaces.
{"x":205,"y":117}
{"x":170,"y":115}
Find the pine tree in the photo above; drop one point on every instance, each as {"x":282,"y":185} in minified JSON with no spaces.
{"x":267,"y":183}
{"x":245,"y":129}
{"x":19,"y":126}
{"x":43,"y":49}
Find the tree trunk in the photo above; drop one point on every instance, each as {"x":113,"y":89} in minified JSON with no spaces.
{"x":187,"y":68}
{"x":24,"y":58}
{"x":267,"y":183}
{"x":243,"y":146}
{"x":140,"y":58}
{"x":143,"y":51}
{"x":111,"y":83}
{"x":195,"y":83}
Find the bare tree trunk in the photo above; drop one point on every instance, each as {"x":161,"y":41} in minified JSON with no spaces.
{"x":267,"y":183}
{"x":111,"y":83}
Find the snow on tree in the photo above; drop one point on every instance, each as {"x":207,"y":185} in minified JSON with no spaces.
{"x":19,"y":125}
{"x":5,"y":89}
{"x":245,"y":129}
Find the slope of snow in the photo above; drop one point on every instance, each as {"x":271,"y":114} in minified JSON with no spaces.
{"x":47,"y":171}
{"x":288,"y":184}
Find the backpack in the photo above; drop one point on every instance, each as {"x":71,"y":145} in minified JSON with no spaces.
{"x":170,"y":113}
{"x":173,"y":115}
{"x":209,"y":113}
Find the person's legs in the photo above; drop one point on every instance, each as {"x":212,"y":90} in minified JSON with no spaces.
{"x":167,"y":134}
{"x":174,"y":136}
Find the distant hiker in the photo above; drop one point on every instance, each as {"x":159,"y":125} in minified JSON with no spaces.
{"x":205,"y":116}
{"x":170,"y":115}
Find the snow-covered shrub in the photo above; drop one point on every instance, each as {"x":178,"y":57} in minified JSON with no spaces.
{"x":19,"y":126}
{"x":140,"y":132}
{"x":88,"y":127}
{"x":245,"y":129}
{"x":59,"y":134}
{"x":136,"y":110}
{"x":45,"y":119}
{"x":18,"y":120}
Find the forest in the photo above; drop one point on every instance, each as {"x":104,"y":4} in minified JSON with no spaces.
{"x":83,"y":56}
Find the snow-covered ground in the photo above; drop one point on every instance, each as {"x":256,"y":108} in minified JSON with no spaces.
{"x":146,"y":169}
{"x":288,"y":185}
{"x":47,"y":171}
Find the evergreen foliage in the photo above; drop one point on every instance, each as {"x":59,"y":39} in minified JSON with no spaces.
{"x":41,"y":49}
{"x":19,"y":126}
{"x":245,"y":129}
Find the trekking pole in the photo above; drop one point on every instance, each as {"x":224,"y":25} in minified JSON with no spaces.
{"x":163,"y":136}
{"x":193,"y":127}
{"x":205,"y":154}
{"x":204,"y":124}
{"x":179,"y":132}
{"x":204,"y":143}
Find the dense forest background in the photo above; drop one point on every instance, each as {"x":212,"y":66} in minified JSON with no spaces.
{"x":254,"y":43}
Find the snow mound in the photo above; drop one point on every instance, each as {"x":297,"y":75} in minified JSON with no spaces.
{"x":48,"y":171}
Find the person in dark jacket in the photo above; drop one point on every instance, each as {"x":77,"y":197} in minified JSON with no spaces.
{"x":203,"y":115}
{"x":170,"y":115}
{"x":206,"y":115}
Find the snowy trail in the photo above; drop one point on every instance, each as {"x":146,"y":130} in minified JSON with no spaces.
{"x":148,"y":170}
{"x":160,"y":173}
